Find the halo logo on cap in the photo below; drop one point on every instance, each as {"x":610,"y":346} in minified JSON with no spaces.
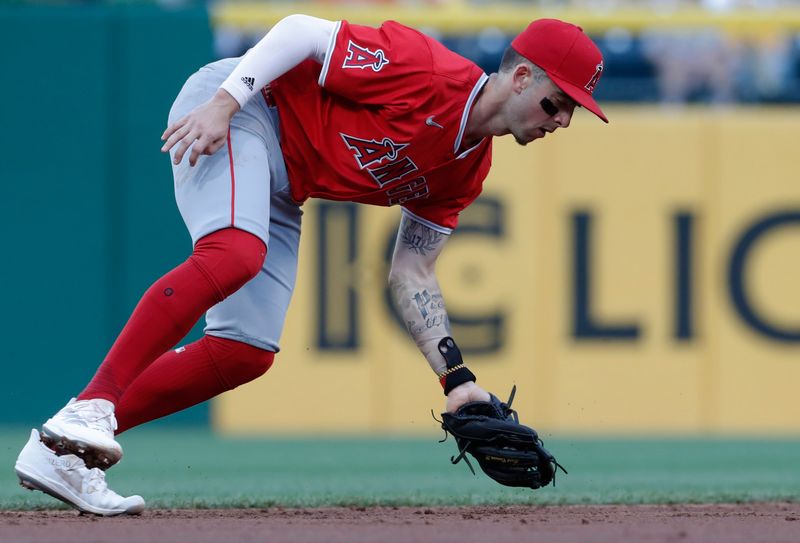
{"x":595,"y":78}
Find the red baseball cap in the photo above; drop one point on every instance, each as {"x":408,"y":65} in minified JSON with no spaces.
{"x":568,"y":56}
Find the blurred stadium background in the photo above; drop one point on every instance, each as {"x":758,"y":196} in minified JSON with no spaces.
{"x":648,"y":279}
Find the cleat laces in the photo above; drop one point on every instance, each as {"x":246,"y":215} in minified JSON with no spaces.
{"x":92,"y":417}
{"x":95,"y":482}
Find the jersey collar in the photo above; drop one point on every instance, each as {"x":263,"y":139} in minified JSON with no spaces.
{"x":465,"y":115}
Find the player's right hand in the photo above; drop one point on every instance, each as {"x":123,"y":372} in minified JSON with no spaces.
{"x":464,"y":393}
{"x":205,"y":129}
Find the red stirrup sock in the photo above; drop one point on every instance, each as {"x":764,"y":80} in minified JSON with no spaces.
{"x":221,"y":263}
{"x":188,"y":376}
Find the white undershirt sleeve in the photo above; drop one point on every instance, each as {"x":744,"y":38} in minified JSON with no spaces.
{"x":291,"y":41}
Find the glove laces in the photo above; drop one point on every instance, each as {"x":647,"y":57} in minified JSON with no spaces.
{"x":462,"y":451}
{"x":462,"y":455}
{"x":506,"y":411}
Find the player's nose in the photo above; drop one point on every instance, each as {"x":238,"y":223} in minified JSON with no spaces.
{"x":563,"y":118}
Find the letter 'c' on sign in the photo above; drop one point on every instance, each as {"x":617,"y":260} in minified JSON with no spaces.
{"x":737,"y":279}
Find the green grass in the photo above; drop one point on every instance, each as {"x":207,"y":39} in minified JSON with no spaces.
{"x":190,"y":468}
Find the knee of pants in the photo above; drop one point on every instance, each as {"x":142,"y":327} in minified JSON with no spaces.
{"x":231,"y":257}
{"x":238,"y":363}
{"x":253,"y":367}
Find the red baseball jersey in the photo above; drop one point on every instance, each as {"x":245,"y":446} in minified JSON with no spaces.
{"x":382,"y":121}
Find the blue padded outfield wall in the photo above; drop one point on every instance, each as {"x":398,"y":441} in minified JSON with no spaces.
{"x":88,"y":213}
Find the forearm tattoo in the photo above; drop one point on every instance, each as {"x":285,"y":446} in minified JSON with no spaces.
{"x":431,"y":310}
{"x":425,"y":316}
{"x":416,"y":291}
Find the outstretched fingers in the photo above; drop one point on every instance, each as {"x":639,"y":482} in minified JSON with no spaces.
{"x":204,"y":130}
{"x":186,"y":142}
{"x":174,"y":133}
{"x":205,"y":146}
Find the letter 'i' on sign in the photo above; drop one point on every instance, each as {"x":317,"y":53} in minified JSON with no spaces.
{"x":584,"y":324}
{"x":337,"y":310}
{"x":684,"y":234}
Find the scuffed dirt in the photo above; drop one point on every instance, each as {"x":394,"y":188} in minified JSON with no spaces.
{"x":731,"y":523}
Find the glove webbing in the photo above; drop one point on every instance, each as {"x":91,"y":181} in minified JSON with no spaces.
{"x":462,"y":453}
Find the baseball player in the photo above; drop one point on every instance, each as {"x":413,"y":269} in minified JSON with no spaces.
{"x":384,"y":116}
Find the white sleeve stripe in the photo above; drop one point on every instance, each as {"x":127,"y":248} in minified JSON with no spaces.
{"x":429,"y":224}
{"x":329,"y":53}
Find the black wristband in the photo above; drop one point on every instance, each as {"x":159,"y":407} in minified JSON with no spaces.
{"x":456,"y":373}
{"x":458,"y":377}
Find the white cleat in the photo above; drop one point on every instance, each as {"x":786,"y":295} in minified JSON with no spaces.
{"x":85,"y":428}
{"x":68,"y":479}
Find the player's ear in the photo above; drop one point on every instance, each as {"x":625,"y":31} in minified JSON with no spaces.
{"x":521,"y":77}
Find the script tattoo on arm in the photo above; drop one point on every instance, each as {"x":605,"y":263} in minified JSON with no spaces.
{"x":415,"y":289}
{"x":432,"y":312}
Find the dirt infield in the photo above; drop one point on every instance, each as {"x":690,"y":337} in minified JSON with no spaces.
{"x":751,"y":523}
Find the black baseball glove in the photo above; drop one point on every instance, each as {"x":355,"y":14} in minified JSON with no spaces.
{"x":509,"y":452}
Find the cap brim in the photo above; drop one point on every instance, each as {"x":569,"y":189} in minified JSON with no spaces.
{"x":583,"y":98}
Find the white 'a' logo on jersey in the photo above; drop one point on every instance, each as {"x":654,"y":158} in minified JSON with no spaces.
{"x":369,"y":152}
{"x":361,"y":57}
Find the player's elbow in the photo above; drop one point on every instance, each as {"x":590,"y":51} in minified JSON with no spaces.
{"x":303,"y":23}
{"x":404,"y":272}
{"x":395,"y":279}
{"x":295,"y":19}
{"x":397,"y":276}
